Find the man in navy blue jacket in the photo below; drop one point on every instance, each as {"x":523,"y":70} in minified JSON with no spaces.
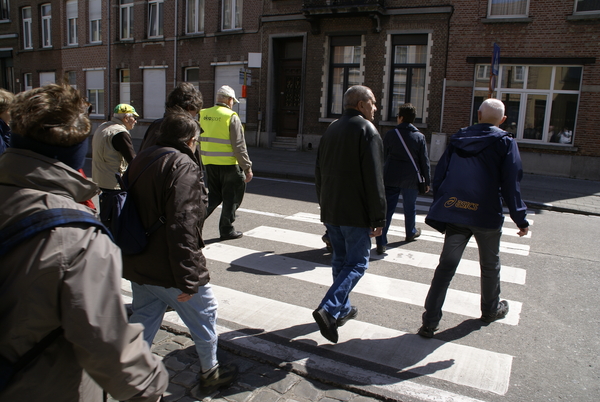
{"x":480,"y":168}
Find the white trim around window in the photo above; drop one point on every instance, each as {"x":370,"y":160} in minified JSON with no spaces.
{"x":4,"y":10}
{"x":27,"y":41}
{"x":95,"y":15}
{"x":126,"y":20}
{"x":46,"y":12}
{"x":155,"y":18}
{"x":194,"y":18}
{"x":232,"y":15}
{"x":72,"y":11}
{"x":508,"y":8}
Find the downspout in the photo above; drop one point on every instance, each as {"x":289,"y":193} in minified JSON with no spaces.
{"x":445,"y":70}
{"x":175,"y":47}
{"x":108,"y":3}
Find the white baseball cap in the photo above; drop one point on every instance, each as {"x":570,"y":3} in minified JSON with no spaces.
{"x":226,"y":90}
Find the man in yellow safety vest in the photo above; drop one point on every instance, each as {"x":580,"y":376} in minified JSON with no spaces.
{"x":225,"y":158}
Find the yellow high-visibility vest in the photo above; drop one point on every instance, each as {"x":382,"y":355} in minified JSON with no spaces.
{"x":215,"y":141}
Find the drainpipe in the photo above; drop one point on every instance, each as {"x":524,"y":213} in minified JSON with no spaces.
{"x":175,"y":47}
{"x":108,"y":3}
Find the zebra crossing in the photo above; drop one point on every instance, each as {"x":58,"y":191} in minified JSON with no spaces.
{"x":476,"y":368}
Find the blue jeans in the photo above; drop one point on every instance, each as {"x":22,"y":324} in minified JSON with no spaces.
{"x":409,"y":204}
{"x":350,"y":258}
{"x":457,"y":237}
{"x":199,"y":314}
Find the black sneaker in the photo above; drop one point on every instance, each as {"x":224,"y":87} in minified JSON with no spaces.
{"x":427,"y":332}
{"x":220,"y":377}
{"x":498,"y":315}
{"x":232,"y":236}
{"x":413,"y":237}
{"x":380,"y":249}
{"x":327,"y":324}
{"x":350,"y":316}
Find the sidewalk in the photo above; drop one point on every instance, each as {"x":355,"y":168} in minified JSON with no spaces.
{"x":539,"y":192}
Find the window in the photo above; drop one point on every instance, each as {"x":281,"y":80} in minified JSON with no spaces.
{"x":194,"y":16}
{"x":409,"y":62}
{"x":126,"y":19}
{"x":344,"y":70}
{"x":94,"y":82}
{"x":155,"y":92}
{"x":95,"y":21}
{"x":47,"y":78}
{"x":192,"y":75}
{"x":232,"y":14}
{"x":124,"y":86}
{"x":541,"y":101}
{"x":26,"y":12}
{"x":72,"y":22}
{"x":587,"y":6}
{"x":155,"y":18}
{"x":508,"y":8}
{"x":28,"y":80}
{"x":4,"y":10}
{"x":72,"y":79}
{"x":46,"y":25}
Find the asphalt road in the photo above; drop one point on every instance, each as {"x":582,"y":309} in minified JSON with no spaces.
{"x":546,"y":349}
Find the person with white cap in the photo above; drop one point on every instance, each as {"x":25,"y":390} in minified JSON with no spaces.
{"x":112,"y":151}
{"x":225,"y":158}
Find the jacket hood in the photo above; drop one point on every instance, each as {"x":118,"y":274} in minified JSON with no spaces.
{"x":474,"y":139}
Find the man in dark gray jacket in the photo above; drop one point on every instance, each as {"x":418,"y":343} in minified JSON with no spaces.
{"x":350,"y":190}
{"x":400,"y":174}
{"x":172,"y":270}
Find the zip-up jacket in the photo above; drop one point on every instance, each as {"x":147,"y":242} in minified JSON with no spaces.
{"x":480,"y":168}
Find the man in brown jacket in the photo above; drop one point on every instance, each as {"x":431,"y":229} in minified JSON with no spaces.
{"x":69,"y":276}
{"x":172,"y":271}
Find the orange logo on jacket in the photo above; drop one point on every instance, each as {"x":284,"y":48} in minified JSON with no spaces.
{"x":455,"y":202}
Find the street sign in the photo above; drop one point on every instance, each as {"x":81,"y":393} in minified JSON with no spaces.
{"x":245,"y":77}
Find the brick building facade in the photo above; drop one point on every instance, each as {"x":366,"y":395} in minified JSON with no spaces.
{"x":300,"y":55}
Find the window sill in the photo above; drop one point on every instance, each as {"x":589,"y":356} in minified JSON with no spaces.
{"x":93,"y":44}
{"x":583,"y":17}
{"x":5,"y":21}
{"x":230,"y":32}
{"x":327,"y":119}
{"x":504,"y":20}
{"x":547,"y":146}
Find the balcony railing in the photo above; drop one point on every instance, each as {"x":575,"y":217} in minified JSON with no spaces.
{"x":341,"y":3}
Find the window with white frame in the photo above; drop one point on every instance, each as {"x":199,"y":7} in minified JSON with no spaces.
{"x":541,"y":101}
{"x":344,"y":70}
{"x":94,"y":83}
{"x":409,"y":63}
{"x":28,"y":81}
{"x":508,"y":8}
{"x":46,"y":11}
{"x":232,"y":14}
{"x":194,"y":16}
{"x":192,"y":75}
{"x":126,"y":14}
{"x":4,"y":10}
{"x":27,"y":42}
{"x":95,"y":14}
{"x":587,"y":6}
{"x":72,"y":79}
{"x":155,"y":18}
{"x":72,"y":10}
{"x":124,"y":86}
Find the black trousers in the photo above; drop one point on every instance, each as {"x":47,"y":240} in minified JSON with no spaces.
{"x":226,"y":185}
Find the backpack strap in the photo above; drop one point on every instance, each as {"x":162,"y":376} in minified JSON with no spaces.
{"x":28,"y":227}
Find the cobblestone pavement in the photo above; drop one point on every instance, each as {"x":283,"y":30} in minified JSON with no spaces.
{"x":257,"y":381}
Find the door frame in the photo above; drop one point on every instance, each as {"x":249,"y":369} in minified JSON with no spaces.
{"x":271,"y":106}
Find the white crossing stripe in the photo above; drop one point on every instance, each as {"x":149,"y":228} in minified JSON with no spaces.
{"x":395,"y":255}
{"x":458,"y":302}
{"x":407,"y":353}
{"x":428,"y":235}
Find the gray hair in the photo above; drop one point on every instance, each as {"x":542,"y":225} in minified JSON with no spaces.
{"x":355,"y":94}
{"x":121,"y":116}
{"x":492,"y":109}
